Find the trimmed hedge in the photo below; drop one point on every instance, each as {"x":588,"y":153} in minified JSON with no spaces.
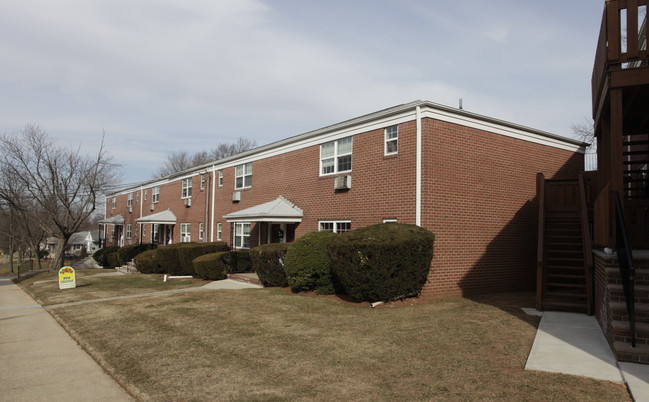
{"x":214,"y":266}
{"x":175,"y":259}
{"x":268,"y":263}
{"x":383,"y":262}
{"x":308,"y":266}
{"x":127,"y":253}
{"x":101,"y":255}
{"x":240,"y":262}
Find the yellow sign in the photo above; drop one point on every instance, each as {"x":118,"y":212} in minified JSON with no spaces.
{"x":67,"y":278}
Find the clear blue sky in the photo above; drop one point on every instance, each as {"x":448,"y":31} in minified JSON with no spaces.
{"x":161,"y":75}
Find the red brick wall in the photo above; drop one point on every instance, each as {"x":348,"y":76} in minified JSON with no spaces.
{"x":478,"y":198}
{"x":479,"y":192}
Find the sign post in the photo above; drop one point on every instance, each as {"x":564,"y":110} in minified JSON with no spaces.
{"x":67,"y":278}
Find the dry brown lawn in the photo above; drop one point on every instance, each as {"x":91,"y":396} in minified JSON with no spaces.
{"x":96,"y":284}
{"x":268,"y":344}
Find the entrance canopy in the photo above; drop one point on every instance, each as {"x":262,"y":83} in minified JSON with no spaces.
{"x":113,"y":220}
{"x":161,"y":218}
{"x":278,"y":210}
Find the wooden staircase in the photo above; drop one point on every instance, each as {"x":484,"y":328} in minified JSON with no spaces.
{"x":564,"y":277}
{"x":564,"y":261}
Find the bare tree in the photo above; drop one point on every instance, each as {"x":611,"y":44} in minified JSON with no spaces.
{"x":63,"y":183}
{"x":585,"y":132}
{"x":179,"y":161}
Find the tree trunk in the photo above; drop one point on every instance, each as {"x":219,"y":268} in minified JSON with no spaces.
{"x":11,"y":240}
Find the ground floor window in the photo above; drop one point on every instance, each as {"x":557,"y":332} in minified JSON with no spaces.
{"x":112,"y":231}
{"x":219,"y":231}
{"x":185,"y":232}
{"x":200,"y":231}
{"x":128,"y":230}
{"x":335,"y":226}
{"x":390,"y":220}
{"x":143,"y":230}
{"x":154,"y":231}
{"x":242,"y":235}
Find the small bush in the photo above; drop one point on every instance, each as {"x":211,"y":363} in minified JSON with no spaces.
{"x":148,"y":262}
{"x":214,"y":266}
{"x":112,"y":259}
{"x":240,"y":261}
{"x":127,"y":253}
{"x":100,"y":255}
{"x":175,"y":259}
{"x":308,"y":266}
{"x":268,"y":263}
{"x":382,"y":262}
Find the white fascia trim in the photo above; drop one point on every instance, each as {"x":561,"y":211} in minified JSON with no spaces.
{"x":501,"y":129}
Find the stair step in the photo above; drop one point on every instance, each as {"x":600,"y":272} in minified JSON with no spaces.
{"x":553,"y":293}
{"x":551,"y":303}
{"x":566,"y":276}
{"x":565,"y":267}
{"x":566,"y":285}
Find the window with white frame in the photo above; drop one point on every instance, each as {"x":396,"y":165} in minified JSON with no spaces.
{"x":145,"y":192}
{"x":335,"y":226}
{"x":390,"y":220}
{"x":336,"y":156}
{"x":221,"y":178}
{"x":129,"y":200}
{"x":242,"y":235}
{"x":114,"y":202}
{"x":155,"y":194}
{"x":202,"y":181}
{"x":219,"y":231}
{"x":391,"y":140}
{"x":185,"y":232}
{"x":143,"y":230}
{"x":243,"y":176}
{"x":187,"y":188}
{"x":128,"y":230}
{"x":137,"y":196}
{"x":154,"y":231}
{"x":112,"y":231}
{"x":200,"y":231}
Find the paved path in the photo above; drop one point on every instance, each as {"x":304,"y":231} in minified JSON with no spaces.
{"x":39,"y":361}
{"x":573,"y":343}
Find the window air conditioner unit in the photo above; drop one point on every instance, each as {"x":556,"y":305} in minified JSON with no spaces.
{"x":130,"y":210}
{"x":236,"y":196}
{"x":188,"y":202}
{"x":343,"y":182}
{"x":151,"y":207}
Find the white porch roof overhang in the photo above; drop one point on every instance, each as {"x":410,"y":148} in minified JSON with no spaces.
{"x":280,"y":210}
{"x":161,"y":218}
{"x":113,"y":220}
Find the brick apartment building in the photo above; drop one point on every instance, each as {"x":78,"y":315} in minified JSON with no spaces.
{"x":469,"y":179}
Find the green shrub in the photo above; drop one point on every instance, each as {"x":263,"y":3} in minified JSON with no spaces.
{"x":112,"y":259}
{"x":148,"y":262}
{"x":240,"y":261}
{"x":382,"y":262}
{"x":214,"y":266}
{"x":187,"y":252}
{"x":268,"y":263}
{"x":308,"y":266}
{"x":127,"y":253}
{"x":100,"y":255}
{"x":175,"y":259}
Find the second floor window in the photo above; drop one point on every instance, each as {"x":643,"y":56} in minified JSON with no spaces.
{"x":129,"y":200}
{"x":202,"y":182}
{"x":155,"y":194}
{"x":336,"y":156}
{"x":221,"y":178}
{"x":391,"y":140}
{"x":114,"y":202}
{"x":243,"y":176}
{"x":187,"y":188}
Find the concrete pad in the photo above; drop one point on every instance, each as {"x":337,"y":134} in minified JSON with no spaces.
{"x":230,"y":284}
{"x":636,"y":377}
{"x":572,"y":343}
{"x":39,"y":361}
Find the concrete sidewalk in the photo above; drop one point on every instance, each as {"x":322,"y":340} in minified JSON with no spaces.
{"x":572,"y":343}
{"x":39,"y":361}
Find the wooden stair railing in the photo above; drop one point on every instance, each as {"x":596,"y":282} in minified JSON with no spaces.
{"x":586,"y":245}
{"x":540,"y":191}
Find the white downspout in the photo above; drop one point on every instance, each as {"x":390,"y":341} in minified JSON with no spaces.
{"x":139,"y":229}
{"x":419,"y":168}
{"x":214,"y":184}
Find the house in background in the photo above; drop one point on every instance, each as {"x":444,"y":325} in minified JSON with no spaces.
{"x":469,"y":179}
{"x":88,"y":240}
